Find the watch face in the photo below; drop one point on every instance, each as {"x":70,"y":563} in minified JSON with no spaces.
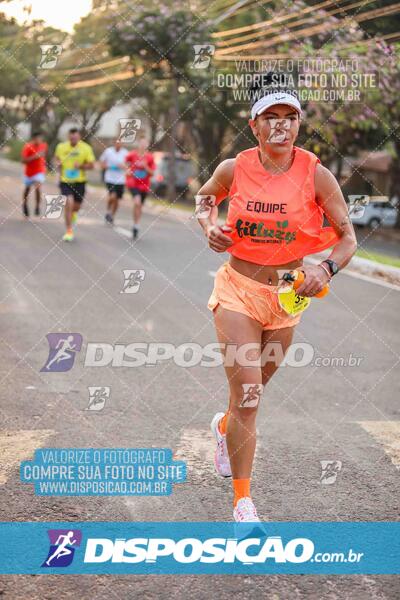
{"x":332,"y":266}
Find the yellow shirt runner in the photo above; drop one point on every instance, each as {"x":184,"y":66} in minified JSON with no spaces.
{"x":71,"y":157}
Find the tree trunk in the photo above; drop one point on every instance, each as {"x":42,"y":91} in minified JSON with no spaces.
{"x":174,"y":113}
{"x":339,"y":167}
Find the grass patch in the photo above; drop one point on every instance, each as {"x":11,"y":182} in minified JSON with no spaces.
{"x":380,"y":258}
{"x":13,"y":150}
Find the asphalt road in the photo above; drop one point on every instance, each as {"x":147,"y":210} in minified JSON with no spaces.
{"x":309,"y":413}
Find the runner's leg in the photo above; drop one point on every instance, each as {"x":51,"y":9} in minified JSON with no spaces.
{"x":25,"y":197}
{"x":236,"y":328}
{"x":137,"y":209}
{"x":69,"y":209}
{"x":113,"y":204}
{"x":280,"y":340}
{"x":38,"y":191}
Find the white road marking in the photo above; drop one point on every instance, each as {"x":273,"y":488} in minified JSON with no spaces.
{"x":386,"y":433}
{"x":123,"y":231}
{"x":196,"y":447}
{"x":16,"y":446}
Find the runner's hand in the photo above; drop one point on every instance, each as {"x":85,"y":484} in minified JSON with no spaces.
{"x":217,"y":240}
{"x":315,"y":280}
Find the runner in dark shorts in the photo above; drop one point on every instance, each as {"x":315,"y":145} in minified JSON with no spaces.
{"x":135,"y":192}
{"x":141,"y":167}
{"x":76,"y":190}
{"x":73,"y":158}
{"x":113,"y":162}
{"x":116,"y":188}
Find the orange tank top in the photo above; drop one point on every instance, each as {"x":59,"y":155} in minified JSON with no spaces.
{"x":275,"y":219}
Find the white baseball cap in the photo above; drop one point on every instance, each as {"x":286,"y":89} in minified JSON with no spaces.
{"x":272,"y":98}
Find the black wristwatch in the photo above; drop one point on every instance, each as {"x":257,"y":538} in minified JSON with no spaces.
{"x":332,"y":266}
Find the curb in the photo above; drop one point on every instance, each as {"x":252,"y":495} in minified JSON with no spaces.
{"x":373,"y":269}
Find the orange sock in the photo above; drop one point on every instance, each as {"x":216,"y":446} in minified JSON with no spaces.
{"x":223,"y":423}
{"x":241,"y":489}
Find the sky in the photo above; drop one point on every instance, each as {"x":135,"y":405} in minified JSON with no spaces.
{"x":58,"y":14}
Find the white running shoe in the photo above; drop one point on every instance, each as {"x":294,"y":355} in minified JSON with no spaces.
{"x":221,"y":457}
{"x":245,"y":511}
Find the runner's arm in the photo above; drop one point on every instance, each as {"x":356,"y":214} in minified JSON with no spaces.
{"x":89,"y":161}
{"x":86,"y":166}
{"x":151,"y":167}
{"x":57,"y":158}
{"x":103,"y":161}
{"x":25,"y":158}
{"x":28,"y":159}
{"x":218,"y":186}
{"x":329,"y":196}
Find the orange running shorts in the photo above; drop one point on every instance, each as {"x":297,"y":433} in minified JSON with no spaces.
{"x":239,"y":293}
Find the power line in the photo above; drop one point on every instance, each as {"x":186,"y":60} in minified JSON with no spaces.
{"x":283,"y":37}
{"x":263,"y":56}
{"x":228,"y":13}
{"x":279,"y":18}
{"x":104,"y":65}
{"x":275,"y":22}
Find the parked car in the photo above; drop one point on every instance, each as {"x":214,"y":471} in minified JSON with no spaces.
{"x":184,"y":174}
{"x":374,"y":213}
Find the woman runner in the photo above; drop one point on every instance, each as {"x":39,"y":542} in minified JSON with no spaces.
{"x":278,"y":195}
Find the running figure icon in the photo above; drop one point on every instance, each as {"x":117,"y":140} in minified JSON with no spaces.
{"x":62,"y":351}
{"x":62,"y":546}
{"x":64,"y":347}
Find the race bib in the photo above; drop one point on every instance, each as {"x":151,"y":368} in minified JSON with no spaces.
{"x":140,"y":173}
{"x":72,"y":173}
{"x":292,"y":303}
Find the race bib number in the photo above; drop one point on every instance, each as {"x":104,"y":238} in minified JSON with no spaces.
{"x":140,"y":173}
{"x":292,"y":303}
{"x":72,"y":173}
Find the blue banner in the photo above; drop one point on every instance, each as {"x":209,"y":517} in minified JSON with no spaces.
{"x":200,"y":548}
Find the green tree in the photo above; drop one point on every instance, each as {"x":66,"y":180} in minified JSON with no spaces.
{"x":162,"y":43}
